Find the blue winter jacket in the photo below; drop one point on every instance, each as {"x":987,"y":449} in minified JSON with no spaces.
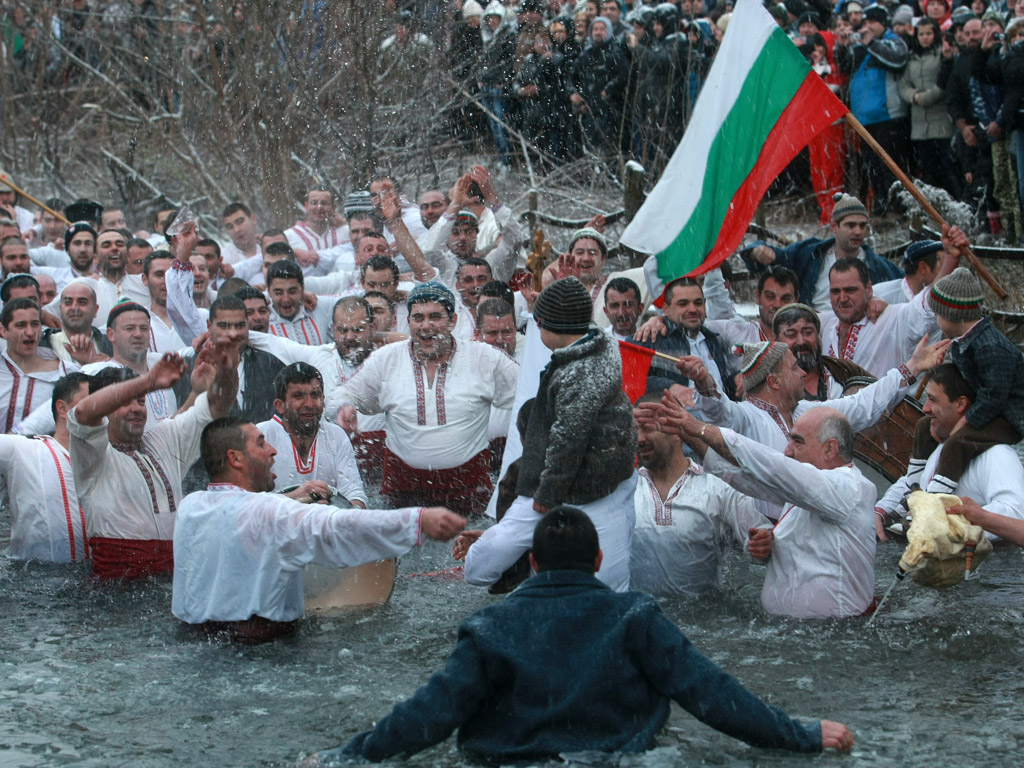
{"x":874,"y":95}
{"x":564,"y":664}
{"x":806,"y":258}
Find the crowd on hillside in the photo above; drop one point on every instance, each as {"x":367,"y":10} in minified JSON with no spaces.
{"x":939,"y":85}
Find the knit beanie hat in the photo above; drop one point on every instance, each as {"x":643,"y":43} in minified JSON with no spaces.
{"x":919,"y":249}
{"x":467,"y":217}
{"x":74,"y":229}
{"x":962,"y":15}
{"x":759,"y":360}
{"x":904,"y":15}
{"x":357,"y":202}
{"x":846,"y":205}
{"x":607,"y":26}
{"x":472,"y":8}
{"x":593,"y":234}
{"x":790,"y":313}
{"x":564,"y":306}
{"x":993,"y":14}
{"x":957,"y":297}
{"x":877,"y":13}
{"x":432,"y":290}
{"x":84,"y":210}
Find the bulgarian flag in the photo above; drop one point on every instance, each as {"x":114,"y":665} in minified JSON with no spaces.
{"x":761,"y":104}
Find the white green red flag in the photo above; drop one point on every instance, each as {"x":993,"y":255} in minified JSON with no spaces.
{"x":760,"y":105}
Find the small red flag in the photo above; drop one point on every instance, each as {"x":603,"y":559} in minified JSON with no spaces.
{"x":636,"y":362}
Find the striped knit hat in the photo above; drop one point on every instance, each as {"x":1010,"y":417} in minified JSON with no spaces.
{"x":846,"y":205}
{"x":957,"y":297}
{"x":564,"y":307}
{"x":759,"y":360}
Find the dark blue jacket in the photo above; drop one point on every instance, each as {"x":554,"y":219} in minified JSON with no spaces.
{"x":806,"y":257}
{"x":564,"y":664}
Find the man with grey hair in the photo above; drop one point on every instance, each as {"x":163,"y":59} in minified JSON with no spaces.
{"x":821,"y":553}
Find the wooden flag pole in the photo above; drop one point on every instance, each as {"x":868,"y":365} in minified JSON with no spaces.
{"x":26,"y":195}
{"x":854,"y":123}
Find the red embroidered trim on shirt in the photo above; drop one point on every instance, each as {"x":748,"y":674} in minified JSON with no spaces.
{"x":12,"y":405}
{"x":421,"y":397}
{"x":772,"y":411}
{"x":132,"y":452}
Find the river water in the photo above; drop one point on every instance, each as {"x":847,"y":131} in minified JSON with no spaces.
{"x":102,"y":675}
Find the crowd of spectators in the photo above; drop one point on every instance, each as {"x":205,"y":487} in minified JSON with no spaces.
{"x":938,"y":83}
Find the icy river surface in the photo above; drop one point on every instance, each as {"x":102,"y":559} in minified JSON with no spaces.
{"x":103,"y":675}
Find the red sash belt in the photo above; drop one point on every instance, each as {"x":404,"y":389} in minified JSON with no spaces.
{"x":465,"y":489}
{"x":130,"y":558}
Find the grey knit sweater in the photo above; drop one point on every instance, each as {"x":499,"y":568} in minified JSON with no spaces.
{"x":581,"y":439}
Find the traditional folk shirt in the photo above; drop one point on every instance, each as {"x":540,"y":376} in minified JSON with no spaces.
{"x":679,"y":544}
{"x":21,"y":392}
{"x":502,"y":257}
{"x":822,"y":561}
{"x":47,"y":522}
{"x":335,"y":369}
{"x":896,"y":291}
{"x":885,"y":343}
{"x":994,"y":479}
{"x":723,"y":318}
{"x":302,"y":236}
{"x":232,"y":254}
{"x":239,"y":554}
{"x":163,"y":337}
{"x":439,"y":424}
{"x":161,"y":404}
{"x":331,"y":459}
{"x":133,"y":493}
{"x":763,"y":422}
{"x":305,"y":328}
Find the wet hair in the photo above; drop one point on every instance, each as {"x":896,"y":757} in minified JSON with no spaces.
{"x":284,"y":270}
{"x":219,"y":437}
{"x":781,"y":275}
{"x":65,"y":388}
{"x":681,"y":282}
{"x":226,"y":304}
{"x":270,"y":233}
{"x":353,"y":303}
{"x":493,"y":308}
{"x":835,"y":426}
{"x":206,"y":242}
{"x":154,"y":256}
{"x":498,"y":289}
{"x":953,"y":383}
{"x":20,"y":280}
{"x":848,"y":263}
{"x":108,"y":376}
{"x":378,"y":263}
{"x":623,"y":285}
{"x":243,"y":294}
{"x":120,"y":308}
{"x":13,"y":306}
{"x":15,"y":239}
{"x":565,"y":540}
{"x":472,"y":261}
{"x":232,"y":208}
{"x":279,"y":249}
{"x":790,"y":313}
{"x":296,"y":373}
{"x":361,"y":213}
{"x":234,"y":286}
{"x":320,"y":188}
{"x":135,"y":242}
{"x":376,"y":234}
{"x":379,"y":295}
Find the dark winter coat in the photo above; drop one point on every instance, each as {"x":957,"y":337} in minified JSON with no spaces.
{"x":564,"y":664}
{"x":497,"y":61}
{"x":675,"y":342}
{"x":537,"y":112}
{"x":601,"y":68}
{"x":581,"y":439}
{"x":994,"y":368}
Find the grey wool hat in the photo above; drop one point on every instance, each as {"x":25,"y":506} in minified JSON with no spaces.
{"x":846,"y":205}
{"x":759,"y":360}
{"x":957,"y":297}
{"x":564,"y":306}
{"x":357,"y":202}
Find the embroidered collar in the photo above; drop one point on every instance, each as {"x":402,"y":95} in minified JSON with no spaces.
{"x":772,"y":411}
